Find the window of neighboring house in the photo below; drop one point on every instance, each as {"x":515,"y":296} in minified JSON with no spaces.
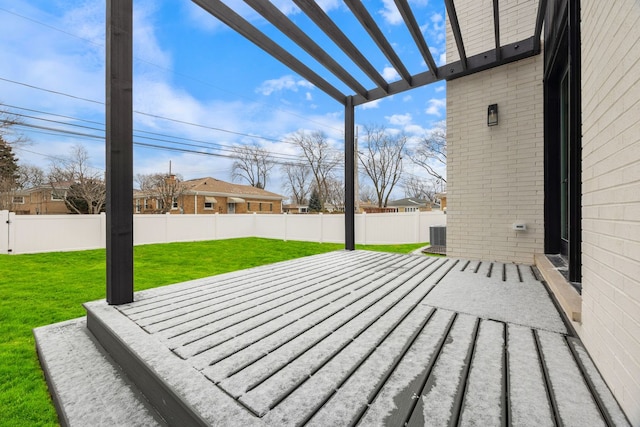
{"x":146,"y":204}
{"x":174,"y":203}
{"x":138,"y":205}
{"x":270,"y":207}
{"x":55,"y":195}
{"x":160,"y":204}
{"x":18,"y":200}
{"x":413,"y":209}
{"x":260,"y":207}
{"x":248,"y":206}
{"x":208,"y":204}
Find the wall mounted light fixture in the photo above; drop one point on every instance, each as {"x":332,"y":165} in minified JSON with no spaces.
{"x":492,"y":115}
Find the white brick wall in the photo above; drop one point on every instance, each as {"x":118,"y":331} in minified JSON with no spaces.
{"x":495,"y":174}
{"x":611,"y":194}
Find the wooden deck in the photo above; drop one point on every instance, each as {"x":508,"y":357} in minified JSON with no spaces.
{"x":357,"y":338}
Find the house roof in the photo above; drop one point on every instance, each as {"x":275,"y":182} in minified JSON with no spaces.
{"x":62,"y":185}
{"x":215,"y":187}
{"x":409,"y":201}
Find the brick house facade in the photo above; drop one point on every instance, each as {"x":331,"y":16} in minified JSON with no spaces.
{"x":209,"y":196}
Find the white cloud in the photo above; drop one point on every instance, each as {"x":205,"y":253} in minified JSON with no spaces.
{"x":399,"y":119}
{"x":414,"y":129}
{"x":372,"y":104}
{"x":390,"y":12}
{"x":328,"y":5}
{"x":442,"y":59}
{"x":407,"y":98}
{"x":435,"y":106}
{"x":146,"y":46}
{"x":287,"y":82}
{"x":440,"y":88}
{"x":308,"y":96}
{"x":204,"y":21}
{"x":390,"y":74}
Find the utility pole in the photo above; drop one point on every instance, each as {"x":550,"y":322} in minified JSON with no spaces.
{"x":355,"y":171}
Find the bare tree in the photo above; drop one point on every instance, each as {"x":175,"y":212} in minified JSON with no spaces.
{"x":321,"y":157}
{"x":367,"y":193}
{"x":7,"y":123}
{"x":30,"y":176}
{"x":252,"y":163}
{"x":336,"y":194}
{"x":9,"y":169}
{"x":80,"y":185}
{"x":167,"y":189}
{"x":298,"y":181}
{"x":8,"y":175}
{"x":381,"y":159}
{"x":431,"y":151}
{"x":417,"y":188}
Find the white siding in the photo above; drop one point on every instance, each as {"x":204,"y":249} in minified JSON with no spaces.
{"x":611,"y":194}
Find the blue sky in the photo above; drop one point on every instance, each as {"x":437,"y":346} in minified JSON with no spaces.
{"x":197,"y":82}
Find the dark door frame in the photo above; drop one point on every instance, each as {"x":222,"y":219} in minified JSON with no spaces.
{"x":563,"y":59}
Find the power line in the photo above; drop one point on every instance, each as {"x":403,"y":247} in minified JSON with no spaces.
{"x":210,"y":145}
{"x":143,"y":113}
{"x":202,"y":82}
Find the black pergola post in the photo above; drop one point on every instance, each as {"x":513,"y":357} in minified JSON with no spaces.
{"x":349,"y":178}
{"x":119,"y":151}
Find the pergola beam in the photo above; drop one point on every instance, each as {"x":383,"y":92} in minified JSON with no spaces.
{"x":317,"y":15}
{"x":455,"y":28}
{"x":416,"y":33}
{"x":284,"y":24}
{"x":369,"y":24}
{"x":239,"y":24}
{"x":496,"y":27}
{"x":542,"y":8}
{"x":480,"y":62}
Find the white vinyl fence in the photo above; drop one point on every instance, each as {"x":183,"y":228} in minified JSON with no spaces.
{"x":20,"y":234}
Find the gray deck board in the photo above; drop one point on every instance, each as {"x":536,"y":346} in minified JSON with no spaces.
{"x":364,"y":338}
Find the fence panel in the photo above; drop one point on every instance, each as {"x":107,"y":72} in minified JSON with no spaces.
{"x":234,"y":226}
{"x":190,"y":228}
{"x":51,"y":233}
{"x":47,"y":233}
{"x":4,"y":232}
{"x":270,"y":226}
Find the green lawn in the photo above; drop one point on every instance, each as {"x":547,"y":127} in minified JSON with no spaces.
{"x":41,"y":289}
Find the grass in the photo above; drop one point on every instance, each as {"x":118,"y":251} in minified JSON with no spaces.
{"x":42,"y":289}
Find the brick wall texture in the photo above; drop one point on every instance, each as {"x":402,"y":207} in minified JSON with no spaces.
{"x":611,"y":194}
{"x":495,"y":174}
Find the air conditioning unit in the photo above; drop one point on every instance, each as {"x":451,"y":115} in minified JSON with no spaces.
{"x":438,"y":235}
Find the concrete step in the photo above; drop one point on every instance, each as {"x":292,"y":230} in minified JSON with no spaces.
{"x":86,"y":385}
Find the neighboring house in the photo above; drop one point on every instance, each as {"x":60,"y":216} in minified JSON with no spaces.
{"x":210,"y":196}
{"x":562,"y":161}
{"x":410,"y":204}
{"x":16,"y":201}
{"x":295,"y":208}
{"x":41,"y":200}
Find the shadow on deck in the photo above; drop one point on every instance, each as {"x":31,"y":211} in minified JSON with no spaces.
{"x":346,"y":338}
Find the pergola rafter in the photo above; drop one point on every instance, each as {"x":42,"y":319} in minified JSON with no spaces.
{"x":119,"y":144}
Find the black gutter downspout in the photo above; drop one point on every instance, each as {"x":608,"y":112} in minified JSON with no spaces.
{"x":119,"y":151}
{"x":575,"y":147}
{"x":349,"y":179}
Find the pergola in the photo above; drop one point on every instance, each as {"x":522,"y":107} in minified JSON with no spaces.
{"x":119,"y":101}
